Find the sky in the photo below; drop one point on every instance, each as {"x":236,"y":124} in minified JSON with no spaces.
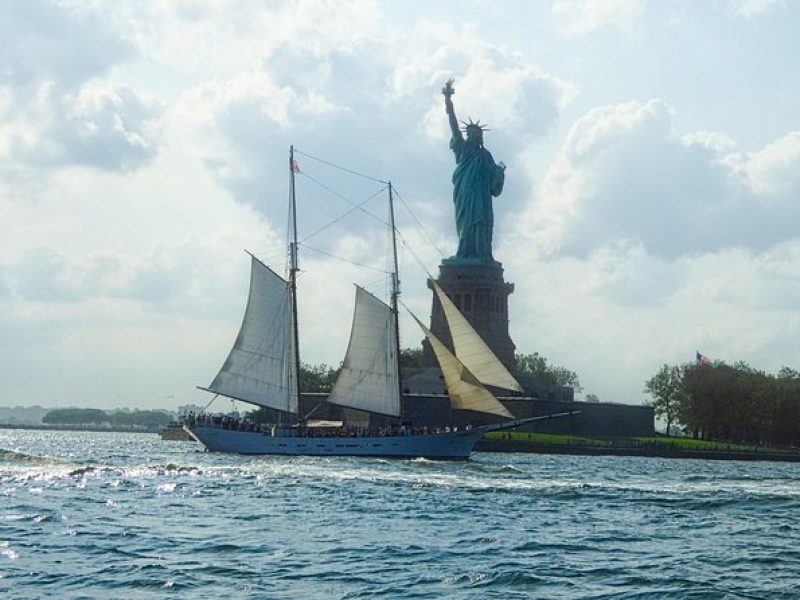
{"x":651,"y":207}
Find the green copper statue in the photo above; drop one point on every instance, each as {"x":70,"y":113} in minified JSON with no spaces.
{"x":476,"y":179}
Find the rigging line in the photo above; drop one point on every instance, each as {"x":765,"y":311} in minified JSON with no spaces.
{"x":347,"y":260}
{"x":287,"y":253}
{"x":408,"y":247}
{"x":355,"y":206}
{"x":407,"y":308}
{"x":335,"y":166}
{"x":419,"y":224}
{"x":268,"y":259}
{"x":207,"y":405}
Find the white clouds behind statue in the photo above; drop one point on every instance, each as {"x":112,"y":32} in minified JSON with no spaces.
{"x":140,"y":141}
{"x":624,"y":174}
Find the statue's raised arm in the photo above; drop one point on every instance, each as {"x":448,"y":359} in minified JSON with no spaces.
{"x":447,"y":92}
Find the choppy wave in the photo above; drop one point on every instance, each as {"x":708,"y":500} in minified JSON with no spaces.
{"x":119,"y":514}
{"x":21,"y":458}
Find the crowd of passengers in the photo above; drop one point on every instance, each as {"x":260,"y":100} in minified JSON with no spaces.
{"x":233,"y":423}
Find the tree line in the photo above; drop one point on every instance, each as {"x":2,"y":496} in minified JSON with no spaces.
{"x":322,"y":377}
{"x":732,"y":403}
{"x":137,"y":419}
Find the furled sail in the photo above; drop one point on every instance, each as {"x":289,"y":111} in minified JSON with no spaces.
{"x":471,"y":350}
{"x":465,"y":391}
{"x":369,"y":379}
{"x":260,"y":367}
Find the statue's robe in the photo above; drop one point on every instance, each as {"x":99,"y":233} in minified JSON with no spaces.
{"x":475,"y":180}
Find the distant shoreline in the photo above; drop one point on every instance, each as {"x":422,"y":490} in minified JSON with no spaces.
{"x":502,"y":445}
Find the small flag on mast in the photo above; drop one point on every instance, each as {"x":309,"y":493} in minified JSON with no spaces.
{"x":295,"y":166}
{"x":702,"y":359}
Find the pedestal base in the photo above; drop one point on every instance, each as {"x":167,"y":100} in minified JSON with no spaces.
{"x":481,"y":293}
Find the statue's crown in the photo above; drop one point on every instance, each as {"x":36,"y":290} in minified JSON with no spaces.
{"x":473,"y":125}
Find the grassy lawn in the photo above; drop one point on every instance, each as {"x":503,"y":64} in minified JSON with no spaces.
{"x":547,"y":438}
{"x":577,"y":440}
{"x":692,"y":444}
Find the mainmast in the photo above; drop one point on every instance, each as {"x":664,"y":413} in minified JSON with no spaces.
{"x":395,"y":295}
{"x":293,"y":268}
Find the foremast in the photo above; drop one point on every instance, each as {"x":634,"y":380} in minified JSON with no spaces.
{"x":395,"y":296}
{"x":293,"y":269}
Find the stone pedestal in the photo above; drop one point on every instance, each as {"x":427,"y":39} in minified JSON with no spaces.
{"x":481,"y":293}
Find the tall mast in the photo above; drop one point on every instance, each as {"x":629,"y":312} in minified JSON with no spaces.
{"x":293,"y":268}
{"x":395,"y":295}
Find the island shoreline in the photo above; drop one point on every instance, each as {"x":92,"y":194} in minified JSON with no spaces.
{"x":502,"y":445}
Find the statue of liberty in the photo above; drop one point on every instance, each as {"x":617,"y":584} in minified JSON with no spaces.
{"x":475,"y":180}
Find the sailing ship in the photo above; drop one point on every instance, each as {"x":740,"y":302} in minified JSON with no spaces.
{"x":262,"y":369}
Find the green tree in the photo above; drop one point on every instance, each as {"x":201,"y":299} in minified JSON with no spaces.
{"x":592,"y":398}
{"x":76,"y":416}
{"x":733,"y":403}
{"x":784,"y":418}
{"x":140,"y":419}
{"x":411,"y":358}
{"x":730,"y":400}
{"x":317,"y":378}
{"x":666,"y":388}
{"x":313,"y":379}
{"x":538,"y":367}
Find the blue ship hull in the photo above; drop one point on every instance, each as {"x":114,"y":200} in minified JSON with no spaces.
{"x":451,"y":445}
{"x":455,"y":445}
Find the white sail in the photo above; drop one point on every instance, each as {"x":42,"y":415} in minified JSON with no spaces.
{"x":369,"y":379}
{"x":260,"y":367}
{"x":472,"y":350}
{"x":465,"y":391}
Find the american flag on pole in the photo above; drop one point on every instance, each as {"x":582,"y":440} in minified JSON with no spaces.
{"x":702,"y":359}
{"x":295,"y":167}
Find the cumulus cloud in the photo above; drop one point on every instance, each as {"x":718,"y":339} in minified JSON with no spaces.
{"x":596,"y":315}
{"x":624,"y":174}
{"x":58,"y":108}
{"x":579,"y":17}
{"x":638,"y":233}
{"x":305,"y":91}
{"x":58,"y":42}
{"x":103,"y":126}
{"x":189,"y":275}
{"x":775,"y":169}
{"x":624,"y":272}
{"x":748,"y":281}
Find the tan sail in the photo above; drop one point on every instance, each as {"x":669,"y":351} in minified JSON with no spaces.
{"x":465,"y":391}
{"x":472,"y":350}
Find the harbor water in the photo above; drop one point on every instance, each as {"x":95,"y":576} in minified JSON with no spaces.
{"x":101,"y":515}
